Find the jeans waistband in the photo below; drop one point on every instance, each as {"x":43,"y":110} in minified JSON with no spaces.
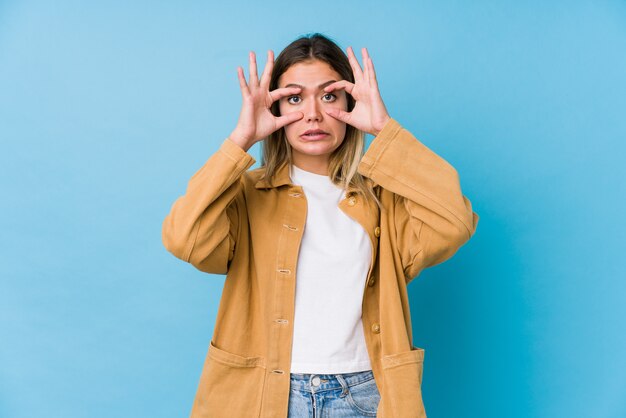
{"x":309,"y":382}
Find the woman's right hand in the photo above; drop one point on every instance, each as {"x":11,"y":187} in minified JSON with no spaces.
{"x":256,"y":121}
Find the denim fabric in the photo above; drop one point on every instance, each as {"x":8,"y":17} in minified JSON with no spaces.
{"x":333,"y":395}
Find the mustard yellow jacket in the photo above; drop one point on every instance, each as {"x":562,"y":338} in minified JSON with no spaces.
{"x":231,"y":222}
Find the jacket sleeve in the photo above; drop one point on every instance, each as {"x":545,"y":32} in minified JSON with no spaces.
{"x":201,"y":227}
{"x":431,"y":217}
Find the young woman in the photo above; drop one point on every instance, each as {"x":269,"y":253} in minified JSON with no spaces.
{"x":318,"y":244}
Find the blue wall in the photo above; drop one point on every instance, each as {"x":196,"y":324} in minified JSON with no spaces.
{"x":107,"y":110}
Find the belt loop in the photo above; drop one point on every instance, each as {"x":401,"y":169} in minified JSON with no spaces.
{"x":343,"y":384}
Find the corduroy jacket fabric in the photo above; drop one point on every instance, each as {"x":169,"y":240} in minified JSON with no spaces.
{"x":231,"y":222}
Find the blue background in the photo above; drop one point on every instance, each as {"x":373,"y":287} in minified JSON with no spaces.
{"x":107,"y":110}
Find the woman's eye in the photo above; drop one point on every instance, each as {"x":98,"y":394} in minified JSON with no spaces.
{"x":328,"y":97}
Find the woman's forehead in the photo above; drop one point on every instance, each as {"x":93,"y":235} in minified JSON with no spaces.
{"x":309,"y":75}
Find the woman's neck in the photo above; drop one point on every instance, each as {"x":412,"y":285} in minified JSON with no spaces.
{"x":311,"y":163}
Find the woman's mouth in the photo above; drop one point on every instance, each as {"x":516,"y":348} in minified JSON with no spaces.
{"x":314,"y":135}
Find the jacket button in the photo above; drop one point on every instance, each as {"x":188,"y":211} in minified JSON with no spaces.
{"x":351,"y":201}
{"x":377,"y":231}
{"x":371,"y":281}
{"x":375,"y":328}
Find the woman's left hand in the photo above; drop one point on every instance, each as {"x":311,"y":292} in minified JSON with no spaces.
{"x":369,"y":113}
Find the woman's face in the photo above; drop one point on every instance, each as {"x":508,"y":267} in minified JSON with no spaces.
{"x":312,"y":77}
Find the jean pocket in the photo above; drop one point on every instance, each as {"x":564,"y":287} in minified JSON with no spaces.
{"x":231,"y":385}
{"x":364,"y":397}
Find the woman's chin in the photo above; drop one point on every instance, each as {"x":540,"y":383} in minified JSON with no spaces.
{"x":315,"y":149}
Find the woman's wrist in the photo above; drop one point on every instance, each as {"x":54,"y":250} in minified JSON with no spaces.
{"x":379,"y":128}
{"x":240,"y":140}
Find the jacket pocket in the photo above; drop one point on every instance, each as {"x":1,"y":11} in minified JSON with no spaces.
{"x":403,"y":383}
{"x":230,"y":385}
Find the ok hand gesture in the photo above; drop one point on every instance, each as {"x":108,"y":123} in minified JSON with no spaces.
{"x":256,"y":121}
{"x":369,"y":113}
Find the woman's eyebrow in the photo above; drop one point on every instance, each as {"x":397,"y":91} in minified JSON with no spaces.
{"x":321,"y":86}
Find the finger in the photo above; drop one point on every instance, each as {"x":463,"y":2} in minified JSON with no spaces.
{"x":267,"y":71}
{"x":366,"y":57}
{"x":338,"y":85}
{"x":282,"y":92}
{"x":254,"y":75}
{"x":372,"y":72}
{"x":288,"y":118}
{"x":339,"y":114}
{"x":242,"y":82}
{"x":354,"y":63}
{"x":370,"y":76}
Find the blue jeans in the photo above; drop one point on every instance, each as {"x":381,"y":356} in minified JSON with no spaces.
{"x":333,"y":395}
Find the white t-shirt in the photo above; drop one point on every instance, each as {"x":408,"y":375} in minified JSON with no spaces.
{"x":332,"y":268}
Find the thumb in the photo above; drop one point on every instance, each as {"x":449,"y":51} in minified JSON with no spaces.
{"x":288,"y":118}
{"x":339,"y":114}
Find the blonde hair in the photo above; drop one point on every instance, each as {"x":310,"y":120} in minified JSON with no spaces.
{"x":344,"y":161}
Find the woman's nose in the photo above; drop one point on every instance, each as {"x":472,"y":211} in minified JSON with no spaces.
{"x":312,"y":111}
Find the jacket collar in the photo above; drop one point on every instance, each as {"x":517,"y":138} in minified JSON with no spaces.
{"x":281,"y":178}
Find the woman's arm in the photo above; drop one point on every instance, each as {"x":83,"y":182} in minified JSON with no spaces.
{"x":432,"y":217}
{"x":202,"y":225}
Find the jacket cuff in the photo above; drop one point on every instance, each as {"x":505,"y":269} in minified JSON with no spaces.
{"x":229,"y":159}
{"x":236,"y":153}
{"x":379,"y":145}
{"x":394,"y":147}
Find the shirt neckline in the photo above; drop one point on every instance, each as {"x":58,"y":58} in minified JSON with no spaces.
{"x":308,"y":179}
